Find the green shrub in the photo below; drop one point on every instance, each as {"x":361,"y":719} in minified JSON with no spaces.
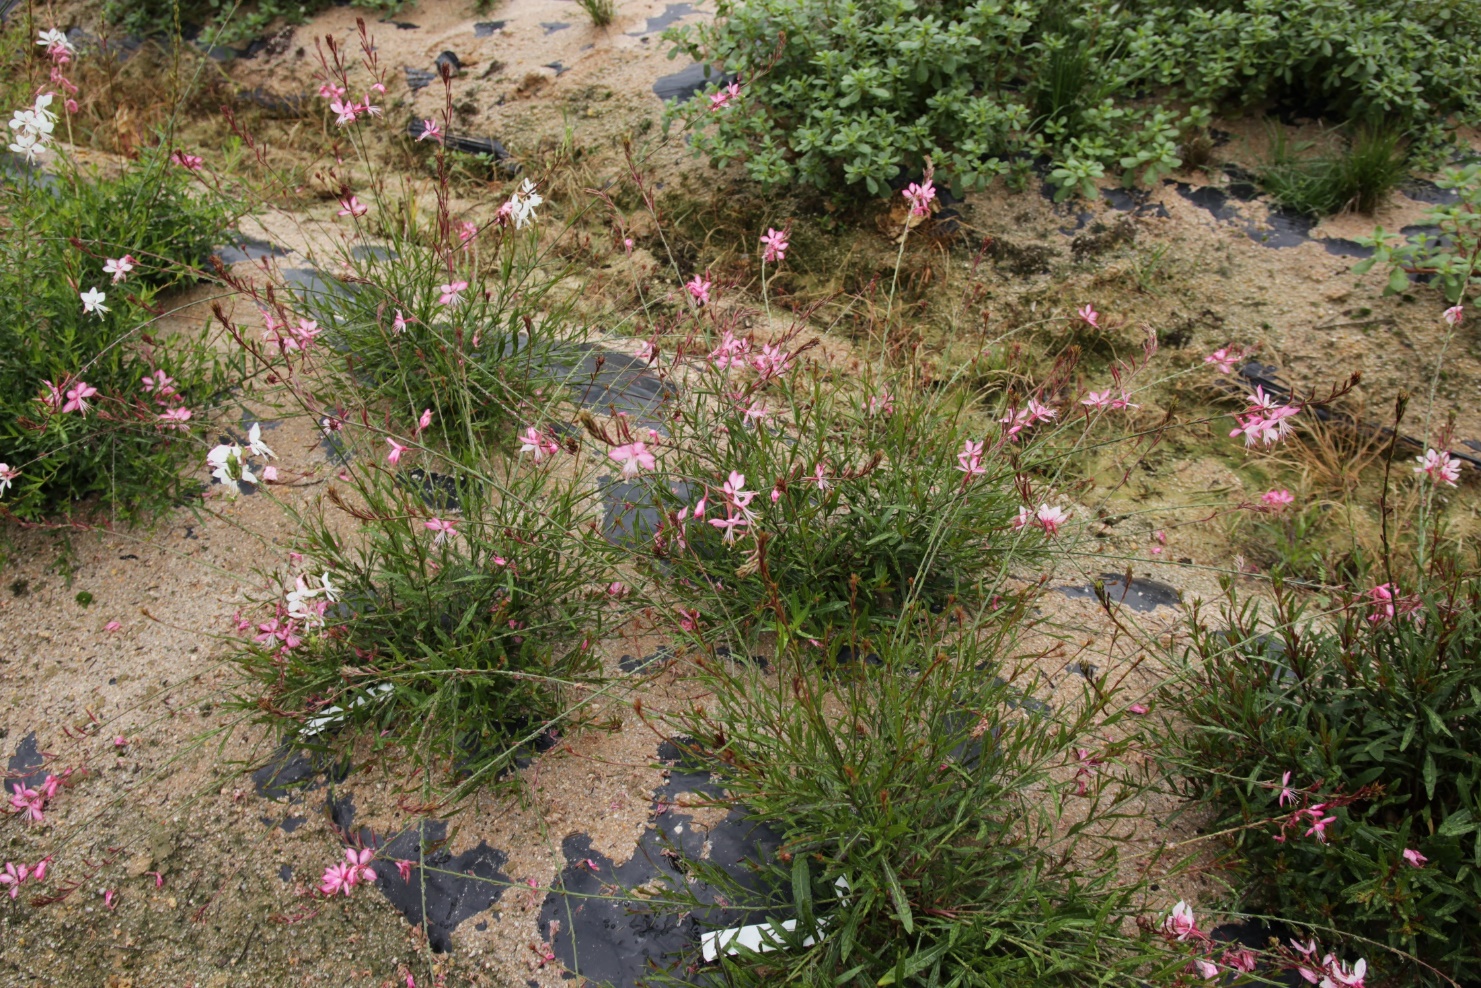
{"x":848,"y":96}
{"x":58,"y":231}
{"x":457,"y":643}
{"x":856,"y":502}
{"x":1452,"y":259}
{"x":929,"y":838}
{"x":1375,"y":717}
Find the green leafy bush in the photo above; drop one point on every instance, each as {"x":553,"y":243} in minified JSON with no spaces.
{"x":930,"y":839}
{"x":1452,"y":259}
{"x":59,"y":230}
{"x":789,"y":491}
{"x":848,"y":95}
{"x":1374,"y":715}
{"x":457,"y":620}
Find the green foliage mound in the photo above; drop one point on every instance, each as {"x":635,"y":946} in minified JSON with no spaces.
{"x":59,"y":230}
{"x":849,"y":95}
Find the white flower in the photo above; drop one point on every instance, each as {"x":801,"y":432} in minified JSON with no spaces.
{"x":6,"y":476}
{"x":330,"y":591}
{"x":55,"y":39}
{"x":33,"y":128}
{"x":522,"y":204}
{"x":92,"y":301}
{"x":231,"y":467}
{"x":255,"y":443}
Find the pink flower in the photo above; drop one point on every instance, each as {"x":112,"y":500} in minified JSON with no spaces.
{"x":403,"y":867}
{"x":394,"y":456}
{"x":352,"y":207}
{"x":820,"y":477}
{"x":77,"y":397}
{"x":1243,"y":960}
{"x":108,"y":896}
{"x":1277,"y":499}
{"x":1051,"y":518}
{"x":160,"y":384}
{"x":120,"y":742}
{"x":732,"y":351}
{"x":175,"y":418}
{"x":1455,"y":314}
{"x":1319,"y":824}
{"x":13,"y":876}
{"x":771,"y":362}
{"x":1387,"y":603}
{"x":1224,"y":358}
{"x":357,"y":864}
{"x":330,"y":91}
{"x":111,"y":627}
{"x":424,"y":421}
{"x":721,"y":99}
{"x":1287,"y":794}
{"x":1414,"y":857}
{"x":1181,"y":922}
{"x":467,"y":231}
{"x":969,"y":460}
{"x":347,"y":111}
{"x":920,"y":196}
{"x":51,"y":397}
{"x":119,"y":267}
{"x":1097,"y":399}
{"x":774,"y":246}
{"x":617,"y":590}
{"x":445,"y":530}
{"x":1339,"y":973}
{"x":337,"y":878}
{"x":1438,"y":466}
{"x":1207,"y":968}
{"x":699,"y":288}
{"x":883,"y":403}
{"x":187,"y":161}
{"x":634,"y":458}
{"x":398,"y":325}
{"x":1138,"y":709}
{"x":452,"y":293}
{"x":538,"y":444}
{"x":648,"y":352}
{"x":627,"y":244}
{"x":688,"y":619}
{"x":431,"y":131}
{"x":270,"y":474}
{"x":1089,"y":316}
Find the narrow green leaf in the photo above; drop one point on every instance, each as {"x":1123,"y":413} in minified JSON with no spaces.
{"x":902,"y":906}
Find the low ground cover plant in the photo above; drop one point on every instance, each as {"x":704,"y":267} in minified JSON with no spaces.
{"x":93,"y":404}
{"x":850,"y":97}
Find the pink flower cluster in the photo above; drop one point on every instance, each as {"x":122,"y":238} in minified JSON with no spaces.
{"x":1387,"y":603}
{"x":15,"y":875}
{"x":737,"y":501}
{"x":290,"y":339}
{"x":1181,"y":926}
{"x":1019,"y":419}
{"x":1331,"y":972}
{"x":1264,"y":422}
{"x":31,"y":802}
{"x":541,"y":445}
{"x":920,"y":196}
{"x":344,"y":876}
{"x":1224,"y":358}
{"x":1439,"y":466}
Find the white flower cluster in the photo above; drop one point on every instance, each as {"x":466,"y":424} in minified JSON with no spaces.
{"x":33,"y":128}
